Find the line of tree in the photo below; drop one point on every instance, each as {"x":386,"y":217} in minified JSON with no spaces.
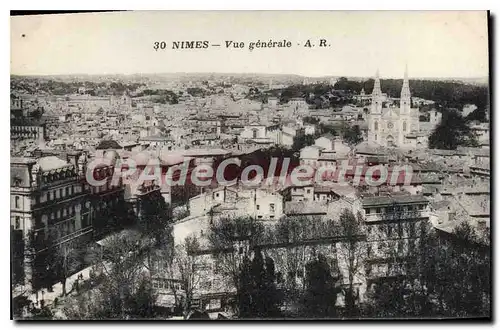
{"x":441,"y":276}
{"x":57,"y":87}
{"x":447,"y":94}
{"x":163,"y":96}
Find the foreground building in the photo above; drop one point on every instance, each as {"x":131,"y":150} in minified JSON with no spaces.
{"x":52,"y":204}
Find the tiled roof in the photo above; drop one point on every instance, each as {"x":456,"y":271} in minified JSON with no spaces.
{"x":108,"y":144}
{"x":50,"y":163}
{"x":398,"y":199}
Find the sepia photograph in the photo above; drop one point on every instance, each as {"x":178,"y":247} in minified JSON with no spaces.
{"x":250,"y":165}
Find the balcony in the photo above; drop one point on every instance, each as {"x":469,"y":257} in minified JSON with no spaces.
{"x":394,"y":215}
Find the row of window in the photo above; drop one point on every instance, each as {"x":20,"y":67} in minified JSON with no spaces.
{"x":58,"y":176}
{"x":418,"y":207}
{"x":63,"y":212}
{"x":162,"y":283}
{"x":271,"y":207}
{"x":55,"y":194}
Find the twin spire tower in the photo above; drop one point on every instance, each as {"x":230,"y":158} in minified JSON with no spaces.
{"x":377,"y":96}
{"x":390,"y":126}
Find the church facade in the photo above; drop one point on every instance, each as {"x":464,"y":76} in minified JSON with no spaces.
{"x":393,"y":126}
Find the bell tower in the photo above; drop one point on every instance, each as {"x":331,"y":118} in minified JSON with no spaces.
{"x":374,"y":117}
{"x":376,"y":96}
{"x":405,"y":101}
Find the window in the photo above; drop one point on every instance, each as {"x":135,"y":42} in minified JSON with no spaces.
{"x":271,"y":208}
{"x":308,"y":191}
{"x":18,"y":222}
{"x":240,"y":250}
{"x":367,"y":211}
{"x":60,"y":193}
{"x":258,"y":207}
{"x":254,"y":133}
{"x":48,"y":196}
{"x":67,"y":191}
{"x":404,"y":126}
{"x":375,"y":127}
{"x":411,"y":229}
{"x":17,"y":201}
{"x":378,"y":210}
{"x":420,"y":206}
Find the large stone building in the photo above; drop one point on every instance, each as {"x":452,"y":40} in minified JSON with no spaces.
{"x":47,"y":201}
{"x":53,"y":204}
{"x":390,"y":126}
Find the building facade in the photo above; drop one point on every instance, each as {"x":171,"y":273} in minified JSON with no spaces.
{"x":389,"y":126}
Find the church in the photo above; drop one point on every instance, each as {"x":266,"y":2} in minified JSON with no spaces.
{"x":393,"y":126}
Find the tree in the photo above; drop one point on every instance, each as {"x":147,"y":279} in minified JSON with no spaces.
{"x":450,"y":278}
{"x":352,"y":135}
{"x":63,"y":260}
{"x":302,"y":140}
{"x":311,"y":120}
{"x":321,"y":292}
{"x":351,"y":253}
{"x":232,"y":242}
{"x":453,"y":131}
{"x":258,"y":296}
{"x":124,"y":292}
{"x":184,"y":266}
{"x":155,"y":218}
{"x":37,"y":113}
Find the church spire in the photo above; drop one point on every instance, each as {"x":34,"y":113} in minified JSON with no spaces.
{"x":405,"y":101}
{"x":376,"y":96}
{"x":376,"y":86}
{"x":405,"y":90}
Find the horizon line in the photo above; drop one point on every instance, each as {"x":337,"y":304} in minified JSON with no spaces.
{"x":243,"y":73}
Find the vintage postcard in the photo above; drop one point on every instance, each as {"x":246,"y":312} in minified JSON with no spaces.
{"x":249,"y":165}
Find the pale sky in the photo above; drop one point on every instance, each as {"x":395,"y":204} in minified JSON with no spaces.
{"x":432,"y":43}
